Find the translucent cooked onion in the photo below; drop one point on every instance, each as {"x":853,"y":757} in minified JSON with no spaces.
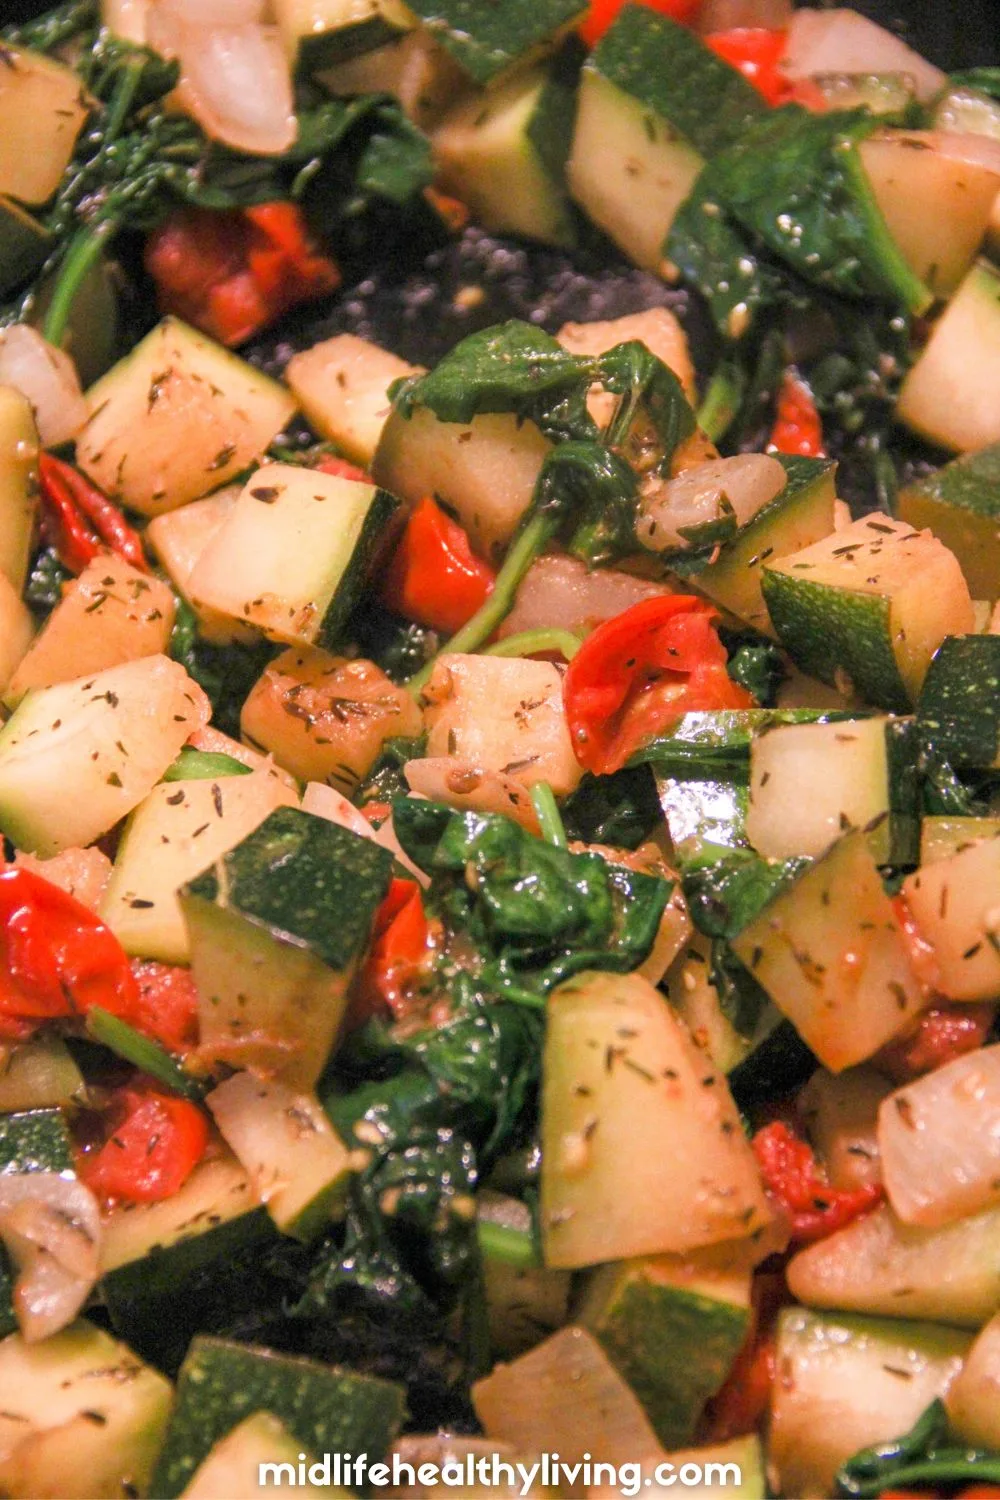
{"x":564,"y":594}
{"x":672,"y":511}
{"x":842,"y":41}
{"x":235,"y":79}
{"x":51,"y":1227}
{"x":939,"y":1139}
{"x":727,"y":15}
{"x":972,"y":149}
{"x":47,"y":377}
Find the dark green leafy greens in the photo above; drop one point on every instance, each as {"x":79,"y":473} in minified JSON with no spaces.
{"x":926,"y":1455}
{"x":226,"y":673}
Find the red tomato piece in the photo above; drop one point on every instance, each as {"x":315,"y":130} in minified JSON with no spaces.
{"x":756,"y":52}
{"x":58,"y":958}
{"x":343,"y":468}
{"x":797,"y":426}
{"x":793,"y":1179}
{"x":603,"y":12}
{"x":398,"y":953}
{"x":167,"y":1004}
{"x":433,"y":577}
{"x":152,"y":1151}
{"x":640,"y":671}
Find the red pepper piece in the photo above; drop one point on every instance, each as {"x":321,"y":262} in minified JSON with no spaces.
{"x":433,"y":576}
{"x":58,"y":958}
{"x":741,"y":1404}
{"x":602,"y":12}
{"x":151,"y":1152}
{"x":756,"y":52}
{"x":167,"y":1003}
{"x":793,"y":1179}
{"x":74,"y":502}
{"x":797,"y":426}
{"x":398,"y":953}
{"x":640,"y":671}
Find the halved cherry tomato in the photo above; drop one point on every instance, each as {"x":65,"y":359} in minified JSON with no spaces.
{"x":640,"y":671}
{"x":167,"y":1004}
{"x":233,"y":271}
{"x":434,"y":577}
{"x":56,"y":957}
{"x":756,"y":52}
{"x":398,"y":953}
{"x":793,"y":1179}
{"x":151,"y":1152}
{"x":602,"y":12}
{"x":797,"y":426}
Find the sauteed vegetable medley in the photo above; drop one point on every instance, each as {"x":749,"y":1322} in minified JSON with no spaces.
{"x":500,"y":906}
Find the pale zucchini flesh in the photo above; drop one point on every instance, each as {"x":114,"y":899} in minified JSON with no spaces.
{"x":18,"y":484}
{"x":42,"y":109}
{"x":341,"y":385}
{"x":949,"y":395}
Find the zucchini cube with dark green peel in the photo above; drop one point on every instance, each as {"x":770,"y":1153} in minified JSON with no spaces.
{"x":797,"y":517}
{"x":18,"y":484}
{"x":958,"y":715}
{"x":487,"y":39}
{"x":326,"y":1409}
{"x":961,"y":505}
{"x":34,"y":1140}
{"x":276,"y":927}
{"x":294,"y":554}
{"x":654,"y":103}
{"x":949,"y":395}
{"x":672,"y":1327}
{"x":320,"y":33}
{"x":830,"y":954}
{"x":24,"y":245}
{"x":870,"y":604}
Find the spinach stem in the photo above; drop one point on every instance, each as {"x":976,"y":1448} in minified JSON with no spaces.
{"x":516,"y":1247}
{"x":529,"y":542}
{"x":119,"y":1037}
{"x":84,"y":252}
{"x":531,"y":642}
{"x":544,"y":802}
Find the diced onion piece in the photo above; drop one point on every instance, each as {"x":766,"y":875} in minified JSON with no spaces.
{"x":670,"y":510}
{"x":729,"y":15}
{"x":939,"y":1140}
{"x":842,"y":41}
{"x":51,"y":1226}
{"x":47,"y":377}
{"x":235,"y":79}
{"x":563,"y":593}
{"x":469,"y":787}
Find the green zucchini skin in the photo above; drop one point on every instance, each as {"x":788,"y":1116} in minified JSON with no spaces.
{"x":958,"y":714}
{"x":486,"y":38}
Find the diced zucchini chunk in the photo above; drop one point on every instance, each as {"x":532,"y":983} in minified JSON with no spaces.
{"x":502,"y":714}
{"x":974,"y":1399}
{"x":657,"y":327}
{"x":25,"y":245}
{"x":18,"y":484}
{"x":935,"y":205}
{"x":877,"y":1264}
{"x":293,"y":555}
{"x":316,"y":33}
{"x":740,"y":1461}
{"x":871,"y":604}
{"x":17,"y":627}
{"x":484,"y":470}
{"x":93,"y":1416}
{"x":955,"y":902}
{"x":326,"y":1409}
{"x":341,"y":386}
{"x":414,"y":68}
{"x":298,"y":1165}
{"x":524,"y":1403}
{"x":77,"y":757}
{"x":486,"y":155}
{"x":846,"y":1383}
{"x":672,"y":1327}
{"x":110,"y":615}
{"x":177,"y":417}
{"x":620,"y":1071}
{"x":958,"y":715}
{"x":168,"y":839}
{"x":488,"y":40}
{"x":961,"y":505}
{"x":217,"y":1191}
{"x":179,"y":537}
{"x":40,"y":1074}
{"x":940,"y":837}
{"x":949,"y":394}
{"x":326,"y":718}
{"x":260,"y":1445}
{"x":811,"y":783}
{"x":42,"y":109}
{"x":830,"y":954}
{"x":277,"y":926}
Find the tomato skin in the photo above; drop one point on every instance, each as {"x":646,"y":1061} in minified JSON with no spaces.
{"x":797,"y":425}
{"x":641,"y":670}
{"x":167,"y":1004}
{"x":231,"y":272}
{"x":433,"y":577}
{"x":58,"y":958}
{"x":756,"y":52}
{"x":398,"y":953}
{"x":792,"y":1177}
{"x":603,"y":12}
{"x":151,"y":1152}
